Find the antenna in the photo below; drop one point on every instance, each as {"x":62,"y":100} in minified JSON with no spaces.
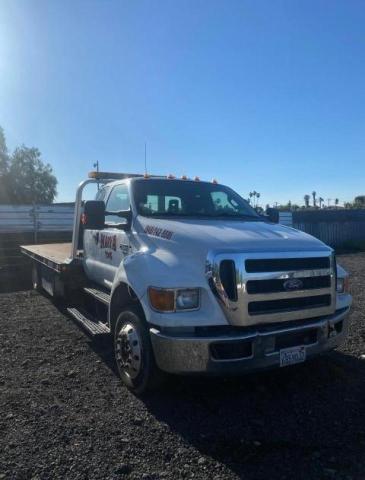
{"x":145,"y":158}
{"x":96,"y":165}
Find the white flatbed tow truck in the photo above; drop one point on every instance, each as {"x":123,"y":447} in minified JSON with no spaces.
{"x":188,"y":279}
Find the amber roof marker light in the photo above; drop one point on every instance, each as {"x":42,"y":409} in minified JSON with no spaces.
{"x":112,"y":175}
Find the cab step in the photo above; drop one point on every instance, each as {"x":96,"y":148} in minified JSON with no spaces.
{"x":102,"y":295}
{"x":91,"y":325}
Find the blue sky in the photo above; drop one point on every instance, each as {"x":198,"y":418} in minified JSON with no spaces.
{"x":265,"y":95}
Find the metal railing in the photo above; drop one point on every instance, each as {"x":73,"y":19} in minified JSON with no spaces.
{"x":28,"y":224}
{"x":36,"y":218}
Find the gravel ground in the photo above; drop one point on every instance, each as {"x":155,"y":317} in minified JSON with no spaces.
{"x":64,"y":414}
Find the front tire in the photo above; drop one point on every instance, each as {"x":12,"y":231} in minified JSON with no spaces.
{"x":133,"y":352}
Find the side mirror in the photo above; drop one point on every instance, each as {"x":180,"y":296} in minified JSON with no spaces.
{"x":273,"y":215}
{"x":93,"y":217}
{"x":125,"y":217}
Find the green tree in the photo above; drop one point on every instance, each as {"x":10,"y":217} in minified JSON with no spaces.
{"x":4,"y":168}
{"x":4,"y":157}
{"x":24,"y":178}
{"x":360,"y":201}
{"x":314,"y":193}
{"x":31,"y":180}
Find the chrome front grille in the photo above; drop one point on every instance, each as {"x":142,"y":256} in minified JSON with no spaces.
{"x":285,"y":264}
{"x":278,"y":285}
{"x":256,"y":288}
{"x":288,"y":304}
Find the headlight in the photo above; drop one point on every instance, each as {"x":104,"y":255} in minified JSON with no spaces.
{"x":342,"y":285}
{"x":187,"y":299}
{"x":172,"y":300}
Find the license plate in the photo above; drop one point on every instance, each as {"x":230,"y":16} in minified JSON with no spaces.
{"x":291,"y":356}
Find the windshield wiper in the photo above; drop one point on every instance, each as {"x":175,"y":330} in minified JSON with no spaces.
{"x":241,"y":216}
{"x":238,"y":215}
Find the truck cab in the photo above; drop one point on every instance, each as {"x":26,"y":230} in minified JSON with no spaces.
{"x":193,"y":281}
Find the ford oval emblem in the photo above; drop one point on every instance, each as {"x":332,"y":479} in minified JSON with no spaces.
{"x":293,"y":284}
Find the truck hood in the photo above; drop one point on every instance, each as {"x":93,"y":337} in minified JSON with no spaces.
{"x":193,"y":237}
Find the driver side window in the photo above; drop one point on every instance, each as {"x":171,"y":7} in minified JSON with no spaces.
{"x":118,"y":200}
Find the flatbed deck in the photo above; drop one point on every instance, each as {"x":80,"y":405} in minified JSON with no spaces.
{"x":54,"y":255}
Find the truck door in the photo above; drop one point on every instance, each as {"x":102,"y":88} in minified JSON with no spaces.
{"x":105,"y":249}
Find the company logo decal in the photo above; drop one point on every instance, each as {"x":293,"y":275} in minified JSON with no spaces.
{"x":124,"y":248}
{"x":108,"y":241}
{"x":293,"y":284}
{"x":158,"y":232}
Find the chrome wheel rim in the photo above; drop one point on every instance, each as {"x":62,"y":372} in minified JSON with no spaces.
{"x":129,"y":350}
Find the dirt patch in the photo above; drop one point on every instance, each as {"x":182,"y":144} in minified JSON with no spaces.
{"x":65,"y":415}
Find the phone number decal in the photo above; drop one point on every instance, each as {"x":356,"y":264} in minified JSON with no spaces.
{"x":158,"y":232}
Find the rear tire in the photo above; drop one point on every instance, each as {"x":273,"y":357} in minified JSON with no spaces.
{"x":134,"y":354}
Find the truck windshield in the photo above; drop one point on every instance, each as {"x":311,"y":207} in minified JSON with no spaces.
{"x":183,"y":198}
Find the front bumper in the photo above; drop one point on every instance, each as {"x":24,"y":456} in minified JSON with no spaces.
{"x":244,"y":350}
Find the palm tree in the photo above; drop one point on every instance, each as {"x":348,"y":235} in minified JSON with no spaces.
{"x":256,"y":196}
{"x":306,"y":200}
{"x":321,"y":200}
{"x":314,"y":198}
{"x":336,"y":202}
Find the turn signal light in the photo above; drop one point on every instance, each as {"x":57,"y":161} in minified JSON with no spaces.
{"x":162,"y":300}
{"x":343,"y":285}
